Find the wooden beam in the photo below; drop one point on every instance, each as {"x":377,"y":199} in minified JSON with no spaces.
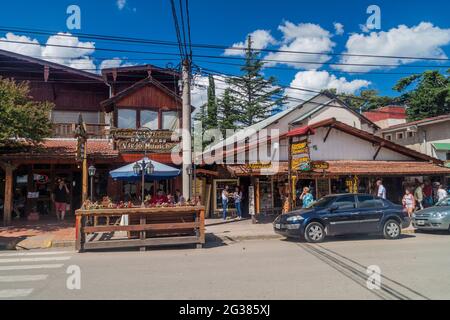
{"x":8,"y":203}
{"x":378,"y":151}
{"x":328,"y":133}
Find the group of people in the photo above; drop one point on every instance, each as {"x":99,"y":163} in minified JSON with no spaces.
{"x":422,"y":196}
{"x":237,"y":196}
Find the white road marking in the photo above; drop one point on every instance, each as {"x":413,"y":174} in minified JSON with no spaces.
{"x":15,"y":293}
{"x":31,"y":267}
{"x":23,"y":254}
{"x":24,"y":278}
{"x":34,"y":259}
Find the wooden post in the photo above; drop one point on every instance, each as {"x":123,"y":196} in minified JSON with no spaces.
{"x":8,"y":203}
{"x":85,"y":175}
{"x":78,"y":237}
{"x":291,"y":198}
{"x":202,"y":229}
{"x":142,"y":234}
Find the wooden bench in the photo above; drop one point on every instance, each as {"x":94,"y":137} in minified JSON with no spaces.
{"x":147,"y":227}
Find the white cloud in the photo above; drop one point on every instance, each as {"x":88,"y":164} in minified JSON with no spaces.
{"x":121,"y":4}
{"x":320,"y":80}
{"x":114,"y":63}
{"x":423,"y":40}
{"x":306,"y":37}
{"x":200,"y":89}
{"x":339,"y":28}
{"x":261,"y":39}
{"x":25,"y":49}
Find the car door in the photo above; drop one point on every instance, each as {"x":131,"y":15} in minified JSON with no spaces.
{"x":370,"y":212}
{"x":345,"y":218}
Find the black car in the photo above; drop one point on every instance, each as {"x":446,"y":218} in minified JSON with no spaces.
{"x":343,"y":214}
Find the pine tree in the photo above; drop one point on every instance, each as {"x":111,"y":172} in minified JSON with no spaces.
{"x":227,"y":112}
{"x":254,"y":96}
{"x":211,"y":105}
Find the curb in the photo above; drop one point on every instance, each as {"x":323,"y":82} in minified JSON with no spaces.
{"x":226,"y":238}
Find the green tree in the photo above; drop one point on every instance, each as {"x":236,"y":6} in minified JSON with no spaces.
{"x":366,"y":100}
{"x":21,"y":118}
{"x":211,"y":105}
{"x":254,"y":96}
{"x":426,"y":95}
{"x":227,"y":115}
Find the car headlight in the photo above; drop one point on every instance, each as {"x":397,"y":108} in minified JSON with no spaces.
{"x":439,"y":215}
{"x":295,"y":219}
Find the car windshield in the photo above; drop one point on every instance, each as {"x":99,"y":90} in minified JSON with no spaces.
{"x":443,"y":203}
{"x":322,"y":203}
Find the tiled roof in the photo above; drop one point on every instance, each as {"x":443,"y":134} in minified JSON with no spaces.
{"x":58,"y":148}
{"x":445,"y":117}
{"x":351,"y":167}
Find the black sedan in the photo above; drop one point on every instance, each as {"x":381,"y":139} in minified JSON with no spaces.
{"x":343,"y":214}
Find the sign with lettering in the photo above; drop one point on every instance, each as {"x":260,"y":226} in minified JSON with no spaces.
{"x":130,"y":140}
{"x":259,"y":166}
{"x":301,"y":164}
{"x":300,"y":147}
{"x":320,"y":165}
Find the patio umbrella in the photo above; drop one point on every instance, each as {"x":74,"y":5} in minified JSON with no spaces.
{"x":161,"y":172}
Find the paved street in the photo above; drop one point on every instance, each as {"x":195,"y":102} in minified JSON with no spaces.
{"x":415,"y":267}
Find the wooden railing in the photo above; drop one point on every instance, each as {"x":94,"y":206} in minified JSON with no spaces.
{"x":67,"y":130}
{"x":146,"y":227}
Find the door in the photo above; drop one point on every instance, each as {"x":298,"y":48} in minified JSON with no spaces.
{"x":371,"y":212}
{"x":345,"y":218}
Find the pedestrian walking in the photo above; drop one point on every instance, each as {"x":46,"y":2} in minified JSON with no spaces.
{"x":237,"y":195}
{"x":418,"y":195}
{"x":441,"y":193}
{"x":306,"y":197}
{"x":409,"y":203}
{"x":59,"y":198}
{"x":225,"y":196}
{"x":428,"y":194}
{"x":381,"y":190}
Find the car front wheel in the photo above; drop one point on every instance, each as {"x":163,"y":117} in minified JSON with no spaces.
{"x":392,"y":230}
{"x":314,"y":232}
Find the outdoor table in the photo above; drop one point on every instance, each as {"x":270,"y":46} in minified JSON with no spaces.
{"x":156,"y":226}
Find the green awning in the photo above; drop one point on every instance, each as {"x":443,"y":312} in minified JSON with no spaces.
{"x":442,"y":146}
{"x":447,"y":164}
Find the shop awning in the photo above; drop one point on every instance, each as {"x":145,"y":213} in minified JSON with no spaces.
{"x":350,"y":167}
{"x":442,"y":146}
{"x":303,"y":131}
{"x":161,"y":172}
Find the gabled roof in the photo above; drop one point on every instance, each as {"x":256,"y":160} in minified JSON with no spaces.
{"x":12,"y":56}
{"x":419,"y":123}
{"x":334,"y":124}
{"x":140,"y":84}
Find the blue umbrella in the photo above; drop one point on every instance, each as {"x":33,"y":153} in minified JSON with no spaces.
{"x":161,"y":172}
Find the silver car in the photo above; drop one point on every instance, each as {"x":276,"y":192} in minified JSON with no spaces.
{"x":433,"y":218}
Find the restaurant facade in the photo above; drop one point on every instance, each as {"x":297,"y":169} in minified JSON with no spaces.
{"x":114,"y":107}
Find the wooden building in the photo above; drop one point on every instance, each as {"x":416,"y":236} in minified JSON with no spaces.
{"x":120,"y":98}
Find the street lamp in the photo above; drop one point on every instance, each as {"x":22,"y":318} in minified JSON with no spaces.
{"x":189,"y":171}
{"x":92,"y":170}
{"x":143,"y":168}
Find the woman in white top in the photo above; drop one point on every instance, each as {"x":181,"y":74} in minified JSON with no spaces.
{"x":409,"y":202}
{"x":441,"y":193}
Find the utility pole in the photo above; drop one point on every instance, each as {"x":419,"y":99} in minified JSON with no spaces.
{"x":186,"y":139}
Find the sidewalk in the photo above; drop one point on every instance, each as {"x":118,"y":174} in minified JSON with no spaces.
{"x":24,"y":235}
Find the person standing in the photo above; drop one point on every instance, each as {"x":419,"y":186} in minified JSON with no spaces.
{"x":237,"y":201}
{"x":418,"y":194}
{"x":306,"y":197}
{"x":381,"y":190}
{"x":409,"y":203}
{"x":59,"y":198}
{"x":428,"y":194}
{"x":225,"y":196}
{"x":441,"y":193}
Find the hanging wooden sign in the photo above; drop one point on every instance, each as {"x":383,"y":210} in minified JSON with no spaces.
{"x":320,"y":165}
{"x":130,"y":140}
{"x":300,"y":147}
{"x":301,"y":164}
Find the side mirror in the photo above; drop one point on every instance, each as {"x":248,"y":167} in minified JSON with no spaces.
{"x":334,"y":207}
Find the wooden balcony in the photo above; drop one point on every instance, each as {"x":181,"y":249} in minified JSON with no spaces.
{"x":67,"y":130}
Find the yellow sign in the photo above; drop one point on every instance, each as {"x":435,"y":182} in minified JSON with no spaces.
{"x":320,"y":165}
{"x":301,"y":163}
{"x":300,"y":147}
{"x":259,"y":166}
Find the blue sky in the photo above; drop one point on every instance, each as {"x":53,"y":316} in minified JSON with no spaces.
{"x":229,"y":22}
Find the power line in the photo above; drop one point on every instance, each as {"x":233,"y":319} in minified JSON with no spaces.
{"x":212,"y":46}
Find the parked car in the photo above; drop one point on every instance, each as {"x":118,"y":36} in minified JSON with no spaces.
{"x":434,"y":218}
{"x":343,"y":214}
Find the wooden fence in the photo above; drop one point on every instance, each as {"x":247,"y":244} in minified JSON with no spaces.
{"x":146,"y":227}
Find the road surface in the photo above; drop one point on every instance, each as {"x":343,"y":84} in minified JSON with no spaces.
{"x":414,"y":267}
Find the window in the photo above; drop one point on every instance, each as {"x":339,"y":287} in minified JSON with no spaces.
{"x":448,"y":155}
{"x":126,"y":119}
{"x":367,"y":202}
{"x":149,"y":119}
{"x":410,"y":134}
{"x":388,"y":137}
{"x":170,"y":120}
{"x":346,"y":202}
{"x":400,"y":135}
